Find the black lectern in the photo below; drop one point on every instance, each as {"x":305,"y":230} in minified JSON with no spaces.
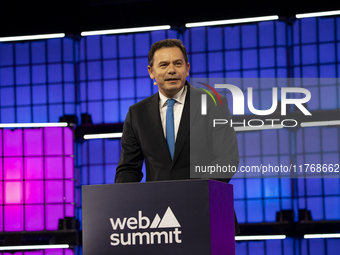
{"x":171,"y":217}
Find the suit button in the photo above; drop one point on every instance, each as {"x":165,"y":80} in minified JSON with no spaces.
{"x":172,"y":170}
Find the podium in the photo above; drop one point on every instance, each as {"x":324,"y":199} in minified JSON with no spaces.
{"x":168,"y":218}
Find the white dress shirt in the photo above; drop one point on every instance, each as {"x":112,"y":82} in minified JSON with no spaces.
{"x":178,"y":108}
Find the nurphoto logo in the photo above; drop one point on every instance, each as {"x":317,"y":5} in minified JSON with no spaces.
{"x":238,"y":104}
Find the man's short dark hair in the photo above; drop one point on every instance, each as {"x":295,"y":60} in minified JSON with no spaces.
{"x":167,"y":43}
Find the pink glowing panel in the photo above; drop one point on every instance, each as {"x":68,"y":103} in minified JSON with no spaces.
{"x":12,"y":142}
{"x":0,"y":169}
{"x":34,"y":253}
{"x":33,"y":144}
{"x":53,"y":214}
{"x":59,"y":252}
{"x":13,"y":168}
{"x":34,"y":217}
{"x":1,"y":217}
{"x":68,"y":141}
{"x":34,"y":168}
{"x":34,"y":192}
{"x":1,"y":196}
{"x":54,"y":167}
{"x":69,"y":168}
{"x":69,"y":191}
{"x":14,"y":218}
{"x":1,"y":142}
{"x":54,"y":191}
{"x":53,"y":141}
{"x":69,"y":210}
{"x":13,"y":193}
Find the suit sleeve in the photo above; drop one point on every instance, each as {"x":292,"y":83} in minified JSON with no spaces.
{"x":130,"y":164}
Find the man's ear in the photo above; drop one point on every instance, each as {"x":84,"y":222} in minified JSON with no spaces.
{"x":150,"y":73}
{"x":188,"y":68}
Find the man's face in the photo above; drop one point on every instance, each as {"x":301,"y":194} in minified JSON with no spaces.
{"x":170,"y":70}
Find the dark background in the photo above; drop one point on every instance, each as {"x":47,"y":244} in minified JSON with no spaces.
{"x":74,"y":16}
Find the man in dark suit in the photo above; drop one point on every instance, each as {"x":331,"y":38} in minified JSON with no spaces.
{"x":164,"y":143}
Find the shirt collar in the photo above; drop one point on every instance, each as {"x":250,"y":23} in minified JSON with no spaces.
{"x":179,"y":97}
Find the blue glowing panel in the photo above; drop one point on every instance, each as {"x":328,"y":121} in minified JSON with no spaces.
{"x":215,"y":61}
{"x":267,"y":57}
{"x":327,"y":71}
{"x":158,"y":35}
{"x":308,"y":31}
{"x":198,"y":63}
{"x":111,"y":111}
{"x":54,"y":73}
{"x":125,"y":48}
{"x":109,"y":44}
{"x":327,"y":53}
{"x":112,"y":150}
{"x":124,"y":108}
{"x":141,"y":44}
{"x":69,"y":93}
{"x":198,"y":39}
{"x":96,"y":175}
{"x":127,"y":88}
{"x":249,"y":59}
{"x":93,"y":70}
{"x":54,"y":48}
{"x":326,"y":29}
{"x":39,"y":93}
{"x":254,"y":188}
{"x":38,"y":52}
{"x":22,"y":53}
{"x":232,"y":37}
{"x":143,"y":87}
{"x":110,"y":172}
{"x":126,"y":68}
{"x":6,"y":76}
{"x":266,"y":33}
{"x":315,"y":205}
{"x":215,"y":38}
{"x":7,"y":96}
{"x":94,"y":90}
{"x":141,"y":67}
{"x":96,"y":112}
{"x":332,"y":207}
{"x":328,"y":97}
{"x":6,"y":53}
{"x":309,"y":54}
{"x":23,"y":114}
{"x":92,"y":47}
{"x":249,"y":36}
{"x":55,"y":111}
{"x":111,"y":89}
{"x":233,"y":60}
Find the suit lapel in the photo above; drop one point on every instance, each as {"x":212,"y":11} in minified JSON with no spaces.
{"x":156,"y":126}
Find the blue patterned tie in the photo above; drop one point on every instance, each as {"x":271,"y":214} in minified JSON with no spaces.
{"x":170,"y":127}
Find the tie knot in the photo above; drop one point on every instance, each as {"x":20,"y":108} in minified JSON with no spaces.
{"x":171,"y":102}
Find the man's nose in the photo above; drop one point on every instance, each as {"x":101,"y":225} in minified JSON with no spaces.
{"x":171,"y":69}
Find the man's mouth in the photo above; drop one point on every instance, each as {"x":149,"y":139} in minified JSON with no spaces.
{"x":172,"y":79}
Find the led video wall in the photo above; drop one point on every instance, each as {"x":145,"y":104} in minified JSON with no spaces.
{"x":103,"y":75}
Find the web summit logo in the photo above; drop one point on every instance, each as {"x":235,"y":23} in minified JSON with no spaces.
{"x":169,"y":222}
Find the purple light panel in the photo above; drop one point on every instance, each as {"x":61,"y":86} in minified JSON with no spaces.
{"x":36,"y":179}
